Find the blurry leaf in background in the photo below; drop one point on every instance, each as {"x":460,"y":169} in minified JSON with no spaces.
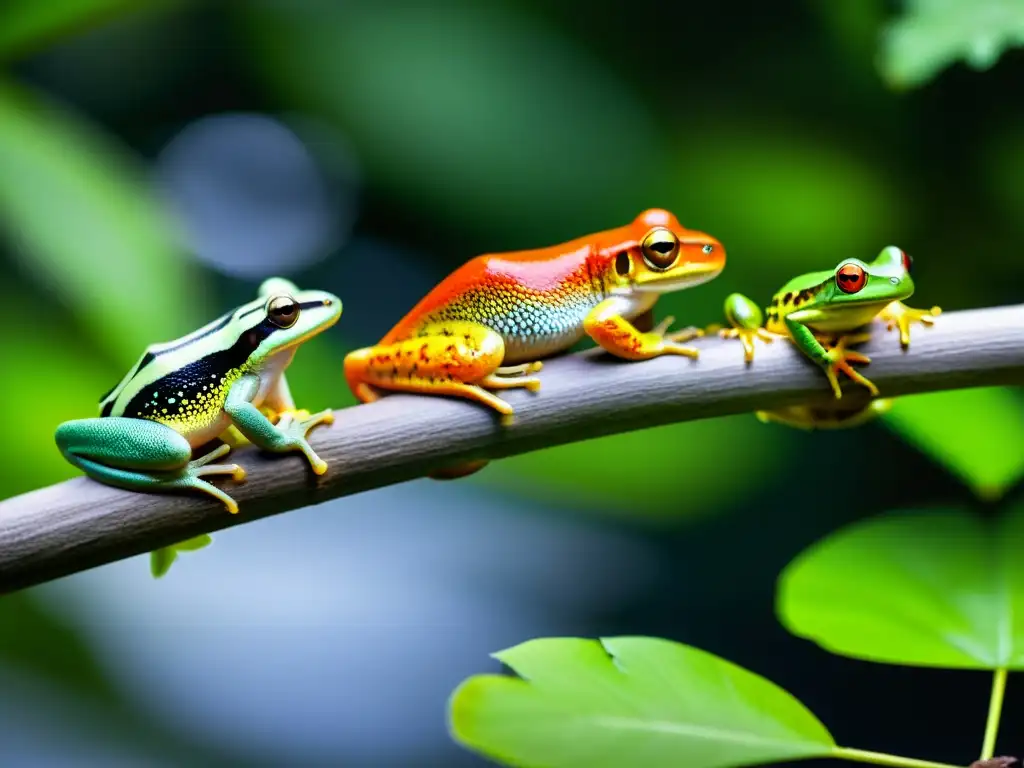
{"x":934,"y":34}
{"x":783,"y":201}
{"x":28,"y":24}
{"x":978,"y":434}
{"x":82,"y":221}
{"x":937,"y":589}
{"x":678,"y":470}
{"x":475,"y":112}
{"x":636,"y":701}
{"x":50,"y":376}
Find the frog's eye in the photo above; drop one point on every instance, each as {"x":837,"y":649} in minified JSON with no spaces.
{"x":708,"y":248}
{"x":908,"y":262}
{"x":660,"y":248}
{"x":851,"y":278}
{"x":283,"y":311}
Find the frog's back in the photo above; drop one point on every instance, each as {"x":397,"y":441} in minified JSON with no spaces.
{"x":183,"y":384}
{"x":534,"y":299}
{"x":793,"y":296}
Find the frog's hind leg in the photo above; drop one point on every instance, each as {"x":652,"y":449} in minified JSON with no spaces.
{"x":141,"y":455}
{"x":457,"y":358}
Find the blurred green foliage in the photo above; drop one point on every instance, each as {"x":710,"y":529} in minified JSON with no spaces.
{"x":976,"y":433}
{"x":932,"y":34}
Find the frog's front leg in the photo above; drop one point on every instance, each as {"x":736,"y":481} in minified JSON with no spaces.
{"x":289,"y":434}
{"x":457,"y":358}
{"x":607,"y":325}
{"x":747,"y":321}
{"x":834,"y":360}
{"x":142,"y":455}
{"x":899,"y":315}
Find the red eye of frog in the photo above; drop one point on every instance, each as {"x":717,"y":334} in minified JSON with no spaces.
{"x":851,"y":278}
{"x":908,"y":262}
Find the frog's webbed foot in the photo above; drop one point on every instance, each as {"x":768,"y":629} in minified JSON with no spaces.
{"x":295,"y":425}
{"x":190,"y":477}
{"x":747,"y":336}
{"x":899,"y":315}
{"x":513,"y":377}
{"x":839,"y":359}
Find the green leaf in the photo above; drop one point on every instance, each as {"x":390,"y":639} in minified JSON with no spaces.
{"x":940,"y":588}
{"x":978,"y":434}
{"x":933,"y":34}
{"x":84,"y":223}
{"x":161,"y":560}
{"x":197,"y":542}
{"x":27,"y":24}
{"x":636,"y":701}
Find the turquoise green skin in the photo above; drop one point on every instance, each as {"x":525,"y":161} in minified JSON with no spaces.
{"x":184,"y":394}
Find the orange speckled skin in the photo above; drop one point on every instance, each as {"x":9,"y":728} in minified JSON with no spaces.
{"x":491,"y":319}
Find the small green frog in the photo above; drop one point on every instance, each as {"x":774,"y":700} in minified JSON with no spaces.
{"x":819,"y":311}
{"x":182,"y":395}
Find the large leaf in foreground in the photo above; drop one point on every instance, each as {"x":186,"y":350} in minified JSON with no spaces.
{"x":941,"y":588}
{"x":636,"y":701}
{"x":977,"y":434}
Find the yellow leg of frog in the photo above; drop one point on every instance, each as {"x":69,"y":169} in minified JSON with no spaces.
{"x":899,"y":315}
{"x":458,"y":358}
{"x":617,"y":335}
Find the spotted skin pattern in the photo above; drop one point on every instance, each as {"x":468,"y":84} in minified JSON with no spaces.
{"x":182,"y":395}
{"x":490,"y":323}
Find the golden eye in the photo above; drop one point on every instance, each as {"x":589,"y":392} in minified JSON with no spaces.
{"x":283,"y":311}
{"x":660,"y":248}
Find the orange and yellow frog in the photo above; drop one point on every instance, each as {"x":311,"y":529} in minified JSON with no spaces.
{"x":488,"y":324}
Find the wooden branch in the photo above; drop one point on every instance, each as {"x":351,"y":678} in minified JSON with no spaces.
{"x":80,"y":524}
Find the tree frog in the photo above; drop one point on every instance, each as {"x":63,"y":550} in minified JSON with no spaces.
{"x":827,"y":306}
{"x":488,"y":324}
{"x":182,"y":395}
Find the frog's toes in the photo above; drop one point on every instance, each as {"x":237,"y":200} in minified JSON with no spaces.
{"x":685,"y":334}
{"x":519,"y":370}
{"x":299,"y":423}
{"x":839,"y":359}
{"x":507,"y":419}
{"x":692,"y":332}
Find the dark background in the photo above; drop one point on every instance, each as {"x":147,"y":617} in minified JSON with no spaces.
{"x":156,"y":165}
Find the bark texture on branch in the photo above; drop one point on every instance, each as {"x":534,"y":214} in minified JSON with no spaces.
{"x":80,"y":524}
